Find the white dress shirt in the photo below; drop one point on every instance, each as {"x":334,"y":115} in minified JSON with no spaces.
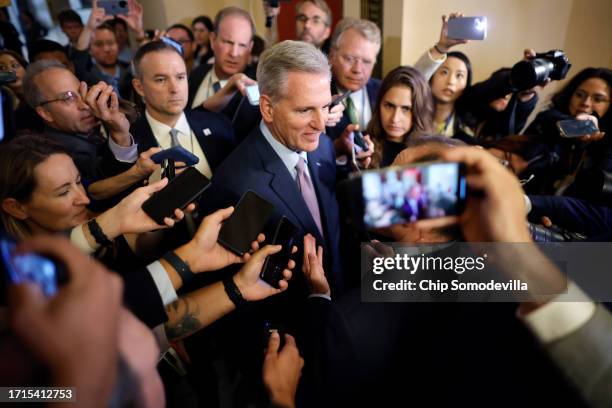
{"x":206,"y":89}
{"x":186,"y":138}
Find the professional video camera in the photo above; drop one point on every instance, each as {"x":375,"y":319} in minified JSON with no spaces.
{"x":540,"y":233}
{"x":526,"y":74}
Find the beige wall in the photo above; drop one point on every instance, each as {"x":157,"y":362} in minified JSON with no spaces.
{"x":580,"y":27}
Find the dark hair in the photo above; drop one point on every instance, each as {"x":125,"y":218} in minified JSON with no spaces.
{"x":524,"y":146}
{"x":106,"y":26}
{"x":69,"y":16}
{"x":204,"y":20}
{"x":184,"y":28}
{"x":117,"y":21}
{"x":18,"y":160}
{"x":422,"y":107}
{"x":44,"y":45}
{"x":561,"y":100}
{"x":18,"y":57}
{"x":153,"y":46}
{"x":466,"y":61}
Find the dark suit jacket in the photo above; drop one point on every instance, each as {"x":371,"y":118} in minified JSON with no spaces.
{"x":255,"y":166}
{"x":195,"y":80}
{"x":372,"y":86}
{"x":216,"y":146}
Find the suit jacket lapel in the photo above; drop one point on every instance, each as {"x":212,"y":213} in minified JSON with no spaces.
{"x":143,"y":134}
{"x":284,"y":185}
{"x":208,"y":145}
{"x":314,"y":167}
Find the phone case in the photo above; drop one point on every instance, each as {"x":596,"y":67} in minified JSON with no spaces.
{"x":272,"y":271}
{"x":178,"y":153}
{"x":467,"y":28}
{"x":114,"y":7}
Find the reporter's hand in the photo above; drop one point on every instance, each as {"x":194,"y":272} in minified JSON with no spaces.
{"x":251,"y":285}
{"x":134,"y":18}
{"x":282,"y":370}
{"x":238,"y":82}
{"x":445,"y":43}
{"x":495,"y":207}
{"x":271,"y":11}
{"x":204,"y":253}
{"x":74,"y":333}
{"x":104,"y":104}
{"x":312,"y":266}
{"x":595,"y":136}
{"x":364,"y":158}
{"x":128,"y":217}
{"x":97,"y":16}
{"x":335,"y":114}
{"x":144,"y":166}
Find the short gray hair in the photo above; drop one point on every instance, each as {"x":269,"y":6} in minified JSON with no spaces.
{"x":366,"y":28}
{"x":31,"y":91}
{"x":288,"y":56}
{"x":233,"y":11}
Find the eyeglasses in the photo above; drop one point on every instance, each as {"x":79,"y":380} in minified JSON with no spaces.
{"x":351,"y":60}
{"x":67,"y":98}
{"x":316,"y":20}
{"x":582,"y":95}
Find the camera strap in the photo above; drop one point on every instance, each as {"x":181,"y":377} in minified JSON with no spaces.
{"x":512,"y":121}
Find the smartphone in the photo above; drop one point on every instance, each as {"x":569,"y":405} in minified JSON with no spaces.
{"x":28,"y":267}
{"x":179,"y":192}
{"x":177,"y":153}
{"x":252,"y":93}
{"x":399,"y":195}
{"x":339,"y":99}
{"x":246,"y":222}
{"x":114,"y":7}
{"x":359,"y":140}
{"x":576,"y":128}
{"x":272,"y":271}
{"x":467,"y":28}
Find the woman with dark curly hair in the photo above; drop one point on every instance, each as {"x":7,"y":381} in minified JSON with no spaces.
{"x":404,"y":109}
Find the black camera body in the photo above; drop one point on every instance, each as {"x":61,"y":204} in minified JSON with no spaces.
{"x":553,"y":64}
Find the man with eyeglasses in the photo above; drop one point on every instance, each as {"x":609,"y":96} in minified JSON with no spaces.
{"x":354,"y":47}
{"x":184,"y":36}
{"x":220,"y":86}
{"x":72,"y":113}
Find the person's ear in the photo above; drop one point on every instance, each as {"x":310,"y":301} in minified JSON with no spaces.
{"x":212,"y":37}
{"x":266,"y":108}
{"x":137,"y":84}
{"x":14,"y":208}
{"x":44,"y":114}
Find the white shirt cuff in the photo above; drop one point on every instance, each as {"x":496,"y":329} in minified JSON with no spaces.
{"x":320,"y":295}
{"x":163,"y":283}
{"x":124,"y":154}
{"x":78,"y":239}
{"x":559,"y":318}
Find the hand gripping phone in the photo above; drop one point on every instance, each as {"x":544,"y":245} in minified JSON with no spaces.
{"x":285,"y":234}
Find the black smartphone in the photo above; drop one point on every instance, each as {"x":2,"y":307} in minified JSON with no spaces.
{"x":467,"y":28}
{"x":29,"y":267}
{"x":177,"y":153}
{"x":398,"y":195}
{"x":114,"y":7}
{"x":272,"y":271}
{"x":339,"y":99}
{"x":576,"y":128}
{"x":359,"y":140}
{"x":247,"y":221}
{"x":179,"y":192}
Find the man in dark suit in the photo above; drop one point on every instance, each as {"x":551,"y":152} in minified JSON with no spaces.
{"x":354,"y":47}
{"x":231,"y":42}
{"x":287,"y":159}
{"x":161,"y":80}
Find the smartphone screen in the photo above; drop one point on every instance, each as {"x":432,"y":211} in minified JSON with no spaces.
{"x":339,"y":99}
{"x":272,"y":271}
{"x":247,"y":221}
{"x":576,"y":128}
{"x":467,"y":28}
{"x":179,"y":192}
{"x":252,"y":92}
{"x":27,"y":267}
{"x":397,"y":195}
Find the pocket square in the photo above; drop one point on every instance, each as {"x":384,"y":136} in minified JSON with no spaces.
{"x":207,"y":132}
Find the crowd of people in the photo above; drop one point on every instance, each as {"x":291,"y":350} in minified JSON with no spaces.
{"x":163,"y":314}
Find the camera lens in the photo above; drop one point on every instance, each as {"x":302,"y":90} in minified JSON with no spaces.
{"x":527,"y":74}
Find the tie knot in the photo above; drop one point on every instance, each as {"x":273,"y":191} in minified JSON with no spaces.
{"x":300,"y":164}
{"x":174,"y":137}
